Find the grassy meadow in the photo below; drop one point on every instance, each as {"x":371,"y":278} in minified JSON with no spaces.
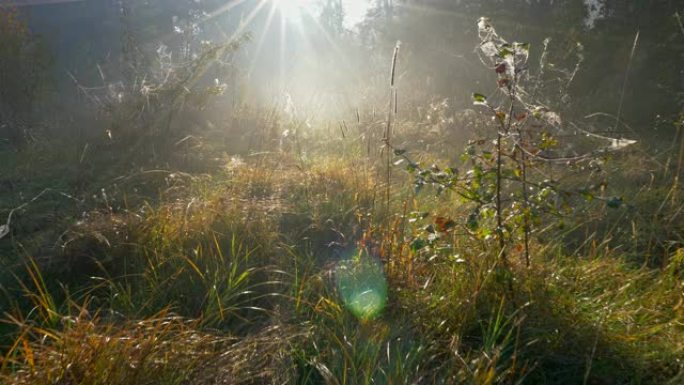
{"x":232,"y":274}
{"x":418,"y":245}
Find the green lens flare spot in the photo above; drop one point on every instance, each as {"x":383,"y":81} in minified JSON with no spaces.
{"x":362,"y":285}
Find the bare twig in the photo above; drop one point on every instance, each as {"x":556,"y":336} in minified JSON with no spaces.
{"x":624,"y":81}
{"x":388,"y":135}
{"x":5,"y":229}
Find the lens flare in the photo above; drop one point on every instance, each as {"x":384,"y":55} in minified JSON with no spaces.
{"x":362,"y":285}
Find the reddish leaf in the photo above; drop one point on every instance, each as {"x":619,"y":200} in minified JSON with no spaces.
{"x":444,"y":224}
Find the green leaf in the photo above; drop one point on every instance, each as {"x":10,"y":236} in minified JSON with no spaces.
{"x":479,"y":99}
{"x":523,"y":46}
{"x":472,"y":223}
{"x":502,"y":274}
{"x":506,"y":52}
{"x":418,"y":244}
{"x":587,"y":195}
{"x":614,"y":202}
{"x":517,"y":172}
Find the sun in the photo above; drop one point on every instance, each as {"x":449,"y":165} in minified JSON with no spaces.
{"x":293,"y":10}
